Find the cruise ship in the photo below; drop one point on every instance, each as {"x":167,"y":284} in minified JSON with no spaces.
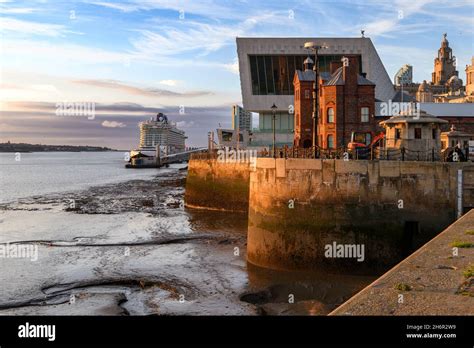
{"x":160,"y":133}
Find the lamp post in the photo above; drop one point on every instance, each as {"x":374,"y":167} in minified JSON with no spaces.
{"x":315,"y":115}
{"x":274,"y":108}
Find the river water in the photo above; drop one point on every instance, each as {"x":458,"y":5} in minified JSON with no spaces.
{"x":112,"y":241}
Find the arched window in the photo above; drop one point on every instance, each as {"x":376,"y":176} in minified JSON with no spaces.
{"x":330,"y":141}
{"x":330,"y":114}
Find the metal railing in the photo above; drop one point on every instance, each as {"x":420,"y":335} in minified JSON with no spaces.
{"x":366,"y":153}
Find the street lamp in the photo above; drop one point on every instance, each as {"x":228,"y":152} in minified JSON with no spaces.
{"x":312,"y":46}
{"x":274,"y":108}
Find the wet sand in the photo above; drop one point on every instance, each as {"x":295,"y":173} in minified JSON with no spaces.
{"x":132,"y":248}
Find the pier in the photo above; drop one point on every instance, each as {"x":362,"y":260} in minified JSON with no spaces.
{"x":162,"y":161}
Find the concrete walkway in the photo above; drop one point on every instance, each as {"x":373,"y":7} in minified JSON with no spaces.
{"x":431,"y":281}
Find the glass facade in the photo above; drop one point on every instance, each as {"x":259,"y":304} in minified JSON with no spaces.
{"x":283,"y":122}
{"x":273,"y":74}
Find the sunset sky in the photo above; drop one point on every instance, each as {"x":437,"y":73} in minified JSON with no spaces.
{"x":135,"y":58}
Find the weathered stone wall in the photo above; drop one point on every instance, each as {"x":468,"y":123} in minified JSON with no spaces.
{"x":347,"y":202}
{"x":215,"y":185}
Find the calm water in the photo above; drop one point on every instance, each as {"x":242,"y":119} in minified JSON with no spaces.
{"x":40,"y":173}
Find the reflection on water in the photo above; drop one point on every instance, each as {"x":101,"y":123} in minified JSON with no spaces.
{"x":282,"y":292}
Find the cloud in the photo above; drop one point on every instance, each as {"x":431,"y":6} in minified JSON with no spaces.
{"x":233,"y":67}
{"x":32,"y":28}
{"x":113,"y":124}
{"x":171,"y":83}
{"x":37,"y":123}
{"x":196,"y":36}
{"x":17,"y":10}
{"x":149,"y":92}
{"x":61,"y":53}
{"x":184,"y":124}
{"x":214,"y":9}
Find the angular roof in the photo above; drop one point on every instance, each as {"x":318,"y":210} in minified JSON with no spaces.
{"x":307,"y":75}
{"x":337,"y":79}
{"x":406,"y":97}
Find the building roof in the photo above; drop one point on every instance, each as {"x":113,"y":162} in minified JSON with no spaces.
{"x":406,"y":97}
{"x":455,"y":133}
{"x":337,"y":79}
{"x":307,"y":75}
{"x":449,"y":109}
{"x":436,"y":109}
{"x":403,"y":118}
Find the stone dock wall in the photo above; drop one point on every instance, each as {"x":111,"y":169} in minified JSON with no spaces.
{"x":296,"y":207}
{"x":214,"y":185}
{"x":299,"y":206}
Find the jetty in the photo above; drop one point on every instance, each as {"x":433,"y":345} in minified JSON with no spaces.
{"x":157,"y":161}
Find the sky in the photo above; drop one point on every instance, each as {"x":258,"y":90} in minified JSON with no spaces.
{"x":134,"y":58}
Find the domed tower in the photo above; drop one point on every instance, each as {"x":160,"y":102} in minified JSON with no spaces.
{"x":424,"y":93}
{"x":444,"y":64}
{"x":454,"y":85}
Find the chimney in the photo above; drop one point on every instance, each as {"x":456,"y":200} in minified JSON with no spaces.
{"x":334,"y":65}
{"x":350,"y":71}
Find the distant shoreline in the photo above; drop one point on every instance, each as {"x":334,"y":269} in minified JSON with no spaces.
{"x":25,"y":148}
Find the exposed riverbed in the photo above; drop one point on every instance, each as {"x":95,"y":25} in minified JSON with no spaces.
{"x":131,"y":248}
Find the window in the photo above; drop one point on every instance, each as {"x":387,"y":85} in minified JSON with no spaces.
{"x":398,"y":133}
{"x":307,"y":93}
{"x":364,"y":114}
{"x":330,"y":141}
{"x":433,"y":133}
{"x":273,"y":74}
{"x":330,"y":116}
{"x":417,"y":133}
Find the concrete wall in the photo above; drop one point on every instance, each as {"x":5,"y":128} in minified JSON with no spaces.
{"x":214,"y":185}
{"x":347,"y":202}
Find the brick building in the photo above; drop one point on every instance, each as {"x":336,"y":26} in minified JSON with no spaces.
{"x":346,"y":103}
{"x":303,"y":87}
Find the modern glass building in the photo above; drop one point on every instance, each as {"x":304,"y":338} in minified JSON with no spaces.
{"x":273,"y":74}
{"x":267,"y":67}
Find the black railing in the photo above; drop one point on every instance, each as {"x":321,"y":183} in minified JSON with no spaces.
{"x":361,"y":153}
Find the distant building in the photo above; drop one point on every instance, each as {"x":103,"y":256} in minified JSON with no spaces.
{"x":444,"y":64}
{"x":419,"y":137}
{"x":241,"y":119}
{"x":228,"y":138}
{"x":404,"y":76}
{"x":160,"y":132}
{"x":454,"y":138}
{"x":424,"y":93}
{"x":470,"y":80}
{"x":459,"y":114}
